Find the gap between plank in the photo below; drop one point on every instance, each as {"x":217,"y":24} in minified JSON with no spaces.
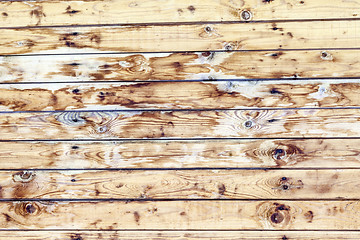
{"x":181,"y":23}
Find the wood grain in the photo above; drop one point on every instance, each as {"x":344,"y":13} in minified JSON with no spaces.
{"x":197,"y":37}
{"x":50,"y":13}
{"x":180,"y":235}
{"x":212,"y":215}
{"x":181,"y":184}
{"x":180,"y":66}
{"x":181,"y":95}
{"x":291,"y":123}
{"x":286,"y":153}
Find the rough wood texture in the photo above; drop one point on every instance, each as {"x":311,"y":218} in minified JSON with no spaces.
{"x":291,"y":123}
{"x":181,"y":235}
{"x":180,"y":95}
{"x":302,"y":153}
{"x":180,"y":66}
{"x":198,"y":37}
{"x":212,"y":215}
{"x":49,"y":13}
{"x":181,"y":184}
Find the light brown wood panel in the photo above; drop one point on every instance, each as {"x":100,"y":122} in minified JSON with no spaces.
{"x":50,"y":13}
{"x":301,"y":153}
{"x":197,"y":37}
{"x":181,"y":95}
{"x":180,"y":66}
{"x":309,"y":123}
{"x":165,"y":235}
{"x":212,"y":215}
{"x":181,"y":184}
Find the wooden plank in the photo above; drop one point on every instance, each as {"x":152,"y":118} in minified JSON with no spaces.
{"x":192,"y":235}
{"x":181,"y":184}
{"x":50,"y":13}
{"x":180,"y":95}
{"x":287,"y":153}
{"x":181,"y":66}
{"x":211,"y":215}
{"x":197,"y":37}
{"x":290,"y":123}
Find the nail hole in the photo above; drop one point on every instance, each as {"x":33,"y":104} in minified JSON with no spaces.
{"x":102,"y":129}
{"x":248,"y":124}
{"x":30,"y":208}
{"x":228,"y":47}
{"x":75,"y":91}
{"x":208,"y":29}
{"x":285,"y":187}
{"x":326,"y":56}
{"x":277,"y":217}
{"x":246,"y":15}
{"x":279,"y":154}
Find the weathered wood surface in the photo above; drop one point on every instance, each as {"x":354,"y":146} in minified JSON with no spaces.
{"x":50,"y":13}
{"x":180,"y":66}
{"x":290,"y":123}
{"x":180,"y":235}
{"x":181,"y":95}
{"x":197,"y":37}
{"x":181,"y":184}
{"x":286,"y":153}
{"x":212,"y":215}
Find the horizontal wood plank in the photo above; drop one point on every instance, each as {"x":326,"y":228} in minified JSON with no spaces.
{"x":181,"y":184}
{"x":180,"y":235}
{"x":198,"y":37}
{"x":181,"y":95}
{"x":180,"y":66}
{"x":286,"y":153}
{"x":212,"y":215}
{"x":50,"y":13}
{"x":290,"y":123}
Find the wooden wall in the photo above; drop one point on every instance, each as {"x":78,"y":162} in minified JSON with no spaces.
{"x":179,"y":119}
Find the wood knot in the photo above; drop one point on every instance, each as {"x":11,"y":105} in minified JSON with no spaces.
{"x":278,"y":215}
{"x":71,"y":118}
{"x":25,"y":176}
{"x":246,"y":15}
{"x":286,"y":183}
{"x":27,"y":209}
{"x":283,"y":153}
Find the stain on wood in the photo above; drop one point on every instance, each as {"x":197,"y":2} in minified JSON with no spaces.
{"x":118,"y":215}
{"x":194,"y":66}
{"x":181,"y":95}
{"x":170,"y":38}
{"x":289,"y":153}
{"x":182,"y":184}
{"x":293,"y":123}
{"x":239,"y":118}
{"x":129,"y":11}
{"x":165,"y":235}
